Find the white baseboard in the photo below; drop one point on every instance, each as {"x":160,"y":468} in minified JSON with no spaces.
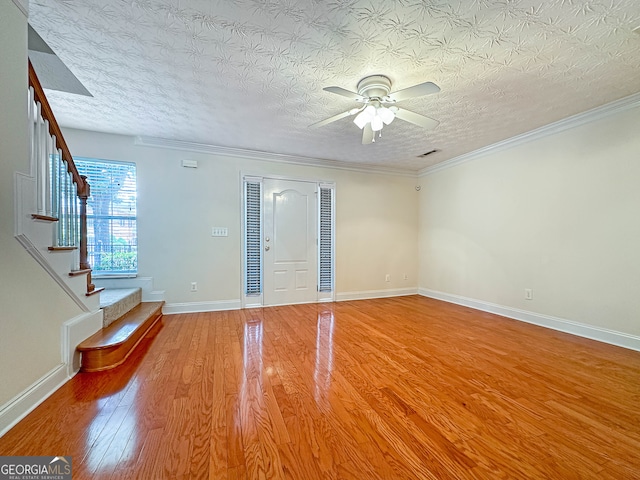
{"x":153,"y":296}
{"x":36,"y":236}
{"x":74,"y":331}
{"x":144,"y":283}
{"x":24,"y":403}
{"x":195,"y":307}
{"x":600,"y":334}
{"x":368,"y":294}
{"x":49,"y":267}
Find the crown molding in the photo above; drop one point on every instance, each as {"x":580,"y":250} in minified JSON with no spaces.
{"x":589,"y":116}
{"x":23,"y":6}
{"x":266,"y":156}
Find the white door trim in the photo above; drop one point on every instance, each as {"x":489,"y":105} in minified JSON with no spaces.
{"x":254,"y":301}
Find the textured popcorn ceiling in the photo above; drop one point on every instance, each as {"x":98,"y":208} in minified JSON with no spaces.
{"x":249,"y":73}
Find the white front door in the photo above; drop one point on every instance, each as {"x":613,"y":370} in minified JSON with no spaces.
{"x":290,"y":247}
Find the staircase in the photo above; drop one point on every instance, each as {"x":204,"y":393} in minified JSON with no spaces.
{"x":126,"y":321}
{"x":51,"y":202}
{"x":51,"y":224}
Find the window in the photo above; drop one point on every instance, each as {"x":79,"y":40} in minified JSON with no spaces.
{"x":112,"y":239}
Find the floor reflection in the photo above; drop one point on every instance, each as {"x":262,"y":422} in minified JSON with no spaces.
{"x":112,"y":436}
{"x":252,"y":355}
{"x":250,"y":394}
{"x":324,"y":356}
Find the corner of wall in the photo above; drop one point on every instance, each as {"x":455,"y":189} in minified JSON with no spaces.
{"x":72,"y":333}
{"x":23,"y":5}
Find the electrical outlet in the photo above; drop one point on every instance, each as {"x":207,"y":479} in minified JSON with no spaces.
{"x":387,"y":278}
{"x":528,"y":294}
{"x":194,"y":286}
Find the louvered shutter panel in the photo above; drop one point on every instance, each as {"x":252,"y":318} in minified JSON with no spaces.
{"x":325,"y":283}
{"x":253,"y":262}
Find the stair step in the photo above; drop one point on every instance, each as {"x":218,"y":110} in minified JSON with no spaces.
{"x":94,"y":291}
{"x":111,"y":346}
{"x":75,"y":273}
{"x":115,"y":302}
{"x":46,"y":218}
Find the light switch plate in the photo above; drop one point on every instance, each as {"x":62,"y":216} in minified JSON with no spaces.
{"x":219,"y":232}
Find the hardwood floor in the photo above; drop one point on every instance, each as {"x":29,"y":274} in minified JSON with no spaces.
{"x":402,"y":388}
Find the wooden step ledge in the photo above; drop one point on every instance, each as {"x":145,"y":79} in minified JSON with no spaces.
{"x":111,"y":346}
{"x":46,"y":218}
{"x":75,"y":273}
{"x":61,"y":249}
{"x":94,"y":291}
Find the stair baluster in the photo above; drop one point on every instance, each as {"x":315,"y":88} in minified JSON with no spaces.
{"x":61,"y":191}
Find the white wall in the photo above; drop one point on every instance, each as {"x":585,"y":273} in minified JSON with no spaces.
{"x":32,"y":306}
{"x":559,"y":215}
{"x":376,"y":220}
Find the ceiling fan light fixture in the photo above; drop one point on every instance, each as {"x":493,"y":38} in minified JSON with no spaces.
{"x":376,"y":123}
{"x":365,"y":116}
{"x":386,"y":115}
{"x":361,"y":120}
{"x":374,"y":96}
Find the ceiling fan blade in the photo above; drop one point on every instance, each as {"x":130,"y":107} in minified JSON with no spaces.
{"x":416,"y":91}
{"x":326,"y":121}
{"x":344,"y":93}
{"x":367,"y":134}
{"x":416,"y":118}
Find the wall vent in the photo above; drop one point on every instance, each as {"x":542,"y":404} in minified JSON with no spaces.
{"x":428,"y":153}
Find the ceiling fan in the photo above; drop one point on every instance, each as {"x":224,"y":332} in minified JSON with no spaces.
{"x":379,"y":107}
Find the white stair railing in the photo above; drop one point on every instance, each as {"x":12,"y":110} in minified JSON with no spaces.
{"x":61,"y":192}
{"x":56,"y":190}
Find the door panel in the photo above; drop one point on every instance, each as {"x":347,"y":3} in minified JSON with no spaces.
{"x":290,"y":250}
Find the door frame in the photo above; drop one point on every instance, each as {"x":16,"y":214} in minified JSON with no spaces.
{"x":255,"y":300}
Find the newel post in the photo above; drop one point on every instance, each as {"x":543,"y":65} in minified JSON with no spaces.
{"x":84,"y":193}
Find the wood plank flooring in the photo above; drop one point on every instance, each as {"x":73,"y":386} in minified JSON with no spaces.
{"x":401,"y":388}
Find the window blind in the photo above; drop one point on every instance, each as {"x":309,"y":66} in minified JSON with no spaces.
{"x":112,"y":239}
{"x":253,"y":235}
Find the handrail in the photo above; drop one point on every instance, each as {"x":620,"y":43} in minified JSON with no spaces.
{"x":54,"y":129}
{"x":83,"y":187}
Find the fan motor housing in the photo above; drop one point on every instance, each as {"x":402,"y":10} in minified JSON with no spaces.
{"x":374,"y":86}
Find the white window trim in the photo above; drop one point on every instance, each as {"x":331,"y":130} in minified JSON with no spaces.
{"x":107,"y":274}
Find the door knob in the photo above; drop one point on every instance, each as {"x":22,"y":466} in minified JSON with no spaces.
{"x":267,"y":248}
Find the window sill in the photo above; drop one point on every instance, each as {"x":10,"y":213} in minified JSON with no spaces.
{"x":106,"y":276}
